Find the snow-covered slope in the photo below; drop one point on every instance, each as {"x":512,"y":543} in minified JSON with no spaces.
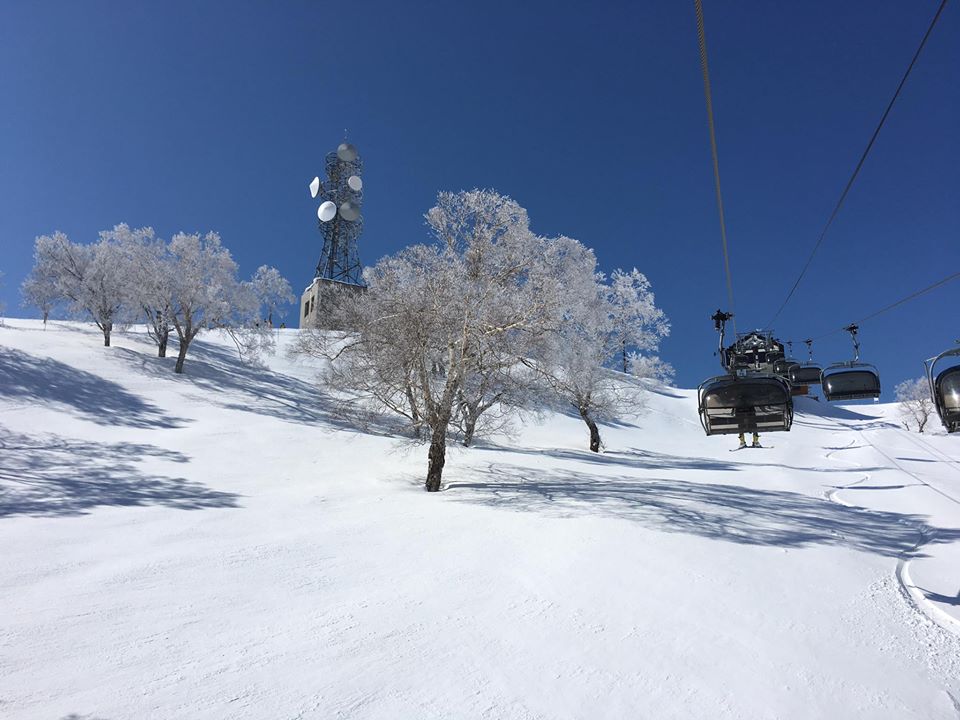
{"x":219,"y":545}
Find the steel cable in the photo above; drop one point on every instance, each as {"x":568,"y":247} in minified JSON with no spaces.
{"x":856,"y":170}
{"x":702,"y":42}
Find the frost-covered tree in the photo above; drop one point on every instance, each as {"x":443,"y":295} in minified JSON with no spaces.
{"x":596,"y":323}
{"x":40,"y":291}
{"x":204,"y":290}
{"x":914,"y":401}
{"x":649,"y":367}
{"x":638,"y":323}
{"x":495,"y":388}
{"x":148,"y":280}
{"x":91,"y":277}
{"x":272,"y":291}
{"x":432,"y":312}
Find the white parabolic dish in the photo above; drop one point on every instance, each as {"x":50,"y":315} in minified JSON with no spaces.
{"x":326,"y":211}
{"x":346,"y":152}
{"x":349,"y":211}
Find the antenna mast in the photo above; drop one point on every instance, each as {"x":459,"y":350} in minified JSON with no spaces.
{"x":339,"y":215}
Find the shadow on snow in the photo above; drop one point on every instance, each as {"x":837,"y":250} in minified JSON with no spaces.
{"x":45,"y":381}
{"x":723,"y":512}
{"x":235,"y":385}
{"x":636,"y":458}
{"x":53,"y":476}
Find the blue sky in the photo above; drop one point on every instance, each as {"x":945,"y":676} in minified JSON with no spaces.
{"x":215,"y":116}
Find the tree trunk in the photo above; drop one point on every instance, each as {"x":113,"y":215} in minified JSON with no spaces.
{"x":437,"y":458}
{"x":414,"y":413}
{"x":469,"y":427}
{"x":594,"y":432}
{"x":182,"y":355}
{"x":162,"y":345}
{"x":46,"y":314}
{"x":623,"y":349}
{"x":107,"y":327}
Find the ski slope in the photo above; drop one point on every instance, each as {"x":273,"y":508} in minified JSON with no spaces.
{"x":219,"y":545}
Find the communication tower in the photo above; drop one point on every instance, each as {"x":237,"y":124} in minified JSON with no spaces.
{"x":340,"y":222}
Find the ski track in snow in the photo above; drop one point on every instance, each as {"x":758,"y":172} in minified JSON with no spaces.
{"x":906,"y":589}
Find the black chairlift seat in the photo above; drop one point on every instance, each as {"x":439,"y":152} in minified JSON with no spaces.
{"x":947,"y":396}
{"x":784,"y":366}
{"x":729,"y":404}
{"x":805,"y":374}
{"x":850,"y":381}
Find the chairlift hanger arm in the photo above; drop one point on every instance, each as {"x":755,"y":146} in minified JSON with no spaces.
{"x":720,"y":319}
{"x":929,"y":364}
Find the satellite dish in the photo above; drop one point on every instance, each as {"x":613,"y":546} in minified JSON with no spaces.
{"x":349,"y":211}
{"x":326,"y":211}
{"x":346,"y":152}
{"x":355,"y":183}
{"x":314,"y":187}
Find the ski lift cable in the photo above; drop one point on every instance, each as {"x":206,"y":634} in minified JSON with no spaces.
{"x":702,"y":43}
{"x":856,"y":170}
{"x":891,"y":306}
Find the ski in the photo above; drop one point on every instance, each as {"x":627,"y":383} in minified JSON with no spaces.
{"x":752,"y":447}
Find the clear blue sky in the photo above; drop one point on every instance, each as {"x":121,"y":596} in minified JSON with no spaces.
{"x":215,"y":116}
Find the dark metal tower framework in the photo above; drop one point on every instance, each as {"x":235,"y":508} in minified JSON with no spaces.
{"x":339,"y":216}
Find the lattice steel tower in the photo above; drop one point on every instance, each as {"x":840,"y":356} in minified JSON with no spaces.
{"x":340,"y":220}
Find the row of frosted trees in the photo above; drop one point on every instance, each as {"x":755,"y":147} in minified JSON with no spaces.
{"x":180,"y":287}
{"x":486,"y":320}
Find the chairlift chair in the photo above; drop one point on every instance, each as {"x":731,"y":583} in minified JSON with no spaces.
{"x":784,"y":366}
{"x":732,"y":404}
{"x":751,"y":397}
{"x":945,"y":390}
{"x":806,"y":373}
{"x":851,"y":380}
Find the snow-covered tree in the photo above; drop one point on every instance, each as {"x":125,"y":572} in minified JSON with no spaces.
{"x":148,"y":279}
{"x":436,"y":322}
{"x":596,"y":323}
{"x":272,"y":291}
{"x":204,"y":290}
{"x":638,"y":323}
{"x":915,"y":403}
{"x":40,"y":291}
{"x":649,"y":367}
{"x":91,"y":277}
{"x":495,"y":388}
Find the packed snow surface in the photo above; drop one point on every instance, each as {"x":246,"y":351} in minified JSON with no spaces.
{"x":220,"y":545}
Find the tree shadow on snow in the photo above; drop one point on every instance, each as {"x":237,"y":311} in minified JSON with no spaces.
{"x":53,"y":476}
{"x":235,"y":385}
{"x":721,"y":512}
{"x":636,"y":458}
{"x":45,"y":381}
